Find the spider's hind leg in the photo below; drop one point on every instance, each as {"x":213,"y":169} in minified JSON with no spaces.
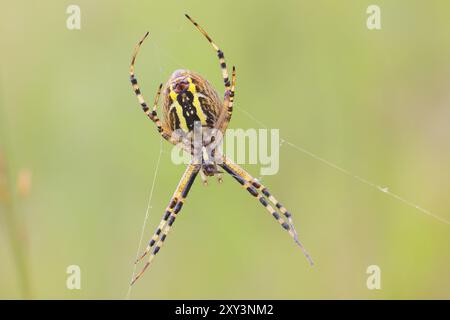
{"x":152,"y":114}
{"x":219,"y":178}
{"x":227,"y":111}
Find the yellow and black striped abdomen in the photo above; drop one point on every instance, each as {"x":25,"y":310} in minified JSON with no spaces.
{"x":189,"y":98}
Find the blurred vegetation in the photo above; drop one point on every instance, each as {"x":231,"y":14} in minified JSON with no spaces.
{"x":374,"y":102}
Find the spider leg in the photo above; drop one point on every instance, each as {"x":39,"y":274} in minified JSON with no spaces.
{"x":227,"y":111}
{"x":223,"y":65}
{"x":170,"y":215}
{"x":204,"y":178}
{"x":219,"y":177}
{"x":263,"y":189}
{"x":252,"y":186}
{"x":225,"y":116}
{"x":152,"y":114}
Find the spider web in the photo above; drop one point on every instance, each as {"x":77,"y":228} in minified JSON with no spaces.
{"x":161,"y":70}
{"x":160,"y":53}
{"x":147,"y":213}
{"x":380,"y":188}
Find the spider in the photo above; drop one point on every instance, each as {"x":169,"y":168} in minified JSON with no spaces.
{"x":189,"y":101}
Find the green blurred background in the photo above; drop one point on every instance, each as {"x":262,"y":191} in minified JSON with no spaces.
{"x":373,"y":102}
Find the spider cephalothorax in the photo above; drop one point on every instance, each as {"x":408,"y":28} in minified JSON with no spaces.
{"x":190,"y":103}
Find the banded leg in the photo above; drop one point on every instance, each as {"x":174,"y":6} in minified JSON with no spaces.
{"x":263,"y":189}
{"x":223,"y":65}
{"x":227,"y":112}
{"x":172,"y":210}
{"x":247,"y":182}
{"x":152,"y":114}
{"x":229,"y":87}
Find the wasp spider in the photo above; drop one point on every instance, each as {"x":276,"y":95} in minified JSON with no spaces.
{"x":189,"y":99}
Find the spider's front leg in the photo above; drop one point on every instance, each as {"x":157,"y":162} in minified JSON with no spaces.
{"x":172,"y":210}
{"x":260,"y":192}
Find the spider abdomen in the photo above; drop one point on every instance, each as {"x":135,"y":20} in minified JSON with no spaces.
{"x":188,"y":98}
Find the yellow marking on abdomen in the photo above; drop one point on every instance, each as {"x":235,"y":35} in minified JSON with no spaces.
{"x":196,"y":104}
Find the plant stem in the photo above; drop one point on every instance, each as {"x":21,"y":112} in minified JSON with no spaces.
{"x":15,"y":229}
